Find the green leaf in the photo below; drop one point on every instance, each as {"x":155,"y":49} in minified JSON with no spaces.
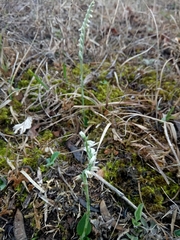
{"x":50,"y":161}
{"x":81,"y":226}
{"x":38,"y":79}
{"x":131,"y":237}
{"x":136,"y":223}
{"x":138,"y":212}
{"x":168,"y":116}
{"x":177,"y":233}
{"x":138,"y":216}
{"x":2,"y":183}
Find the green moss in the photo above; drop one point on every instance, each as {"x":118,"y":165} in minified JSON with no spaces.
{"x":5,"y":152}
{"x":111,"y":170}
{"x":167,"y":87}
{"x":148,"y":191}
{"x":107,"y":92}
{"x":22,"y":193}
{"x":5,"y":115}
{"x":125,"y":175}
{"x":33,"y":155}
{"x":91,"y":118}
{"x":43,"y":168}
{"x":76,"y":70}
{"x":45,"y":136}
{"x":23,"y":83}
{"x":17,"y":106}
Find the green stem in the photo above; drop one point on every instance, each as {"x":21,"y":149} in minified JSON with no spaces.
{"x":82,"y":87}
{"x":86,"y":190}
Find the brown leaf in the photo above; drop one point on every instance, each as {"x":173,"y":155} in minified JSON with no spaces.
{"x":107,"y":216}
{"x":101,"y":173}
{"x":32,"y":132}
{"x":19,"y":230}
{"x":15,"y":178}
{"x":37,"y":216}
{"x":78,"y":154}
{"x":104,"y":211}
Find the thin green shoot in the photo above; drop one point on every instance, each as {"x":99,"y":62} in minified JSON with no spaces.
{"x":65,"y":72}
{"x":168,"y":116}
{"x":50,"y":161}
{"x":84,"y":225}
{"x":38,"y":79}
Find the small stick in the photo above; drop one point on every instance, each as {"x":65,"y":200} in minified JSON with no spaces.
{"x":119,"y":193}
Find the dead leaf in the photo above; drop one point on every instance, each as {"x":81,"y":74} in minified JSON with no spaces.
{"x":104,"y":211}
{"x":19,"y":230}
{"x":32,"y":132}
{"x":37,"y":216}
{"x":57,"y":131}
{"x":84,"y":204}
{"x":15,"y":178}
{"x":100,"y":172}
{"x":67,"y":104}
{"x":108,"y":218}
{"x":90,"y":77}
{"x":78,"y":154}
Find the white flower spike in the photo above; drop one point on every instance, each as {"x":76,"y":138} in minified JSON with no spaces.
{"x":22,"y":127}
{"x":91,"y":155}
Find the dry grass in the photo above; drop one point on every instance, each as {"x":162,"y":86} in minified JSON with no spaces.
{"x":131,"y":57}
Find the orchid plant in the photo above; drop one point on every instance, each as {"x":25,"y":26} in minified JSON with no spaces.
{"x":84,"y":226}
{"x":84,"y":27}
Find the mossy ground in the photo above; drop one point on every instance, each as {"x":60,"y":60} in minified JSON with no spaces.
{"x":117,"y":168}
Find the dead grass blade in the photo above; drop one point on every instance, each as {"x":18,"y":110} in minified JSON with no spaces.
{"x":32,"y":181}
{"x":171,"y":145}
{"x":119,"y":193}
{"x":103,"y":135}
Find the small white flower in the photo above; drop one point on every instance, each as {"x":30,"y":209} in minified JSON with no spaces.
{"x":91,"y":155}
{"x":92,"y":160}
{"x":93,"y":152}
{"x":89,"y":172}
{"x":22,"y":127}
{"x":82,"y":134}
{"x":90,"y":150}
{"x":91,"y":143}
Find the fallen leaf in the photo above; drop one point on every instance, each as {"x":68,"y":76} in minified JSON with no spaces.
{"x":32,"y":132}
{"x":37,"y":216}
{"x":100,"y":172}
{"x":57,"y":133}
{"x":19,"y":230}
{"x":78,"y":154}
{"x":104,"y":211}
{"x":84,"y":204}
{"x":108,"y":218}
